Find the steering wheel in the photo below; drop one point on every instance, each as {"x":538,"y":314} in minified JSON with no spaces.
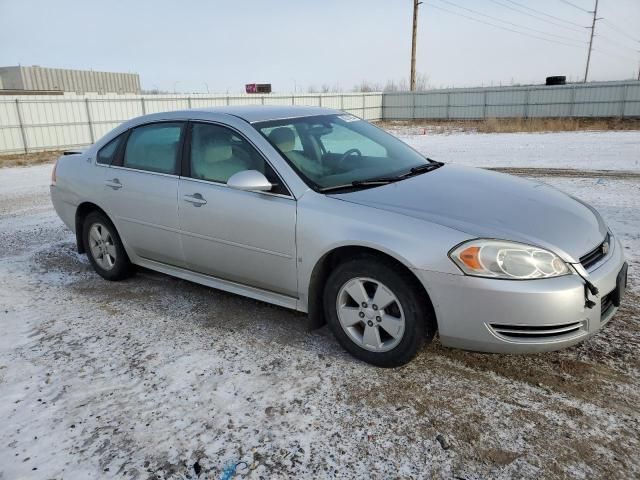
{"x":347,"y":154}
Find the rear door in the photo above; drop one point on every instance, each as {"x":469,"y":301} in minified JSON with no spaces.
{"x":141,"y":191}
{"x":241,"y":236}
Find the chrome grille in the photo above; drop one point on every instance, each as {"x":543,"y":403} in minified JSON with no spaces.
{"x":536,"y":332}
{"x":597,"y":254}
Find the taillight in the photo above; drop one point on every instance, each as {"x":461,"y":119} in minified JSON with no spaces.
{"x":53,"y":173}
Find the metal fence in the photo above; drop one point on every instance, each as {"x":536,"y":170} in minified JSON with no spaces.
{"x":30,"y":123}
{"x":602,"y":99}
{"x":34,"y":123}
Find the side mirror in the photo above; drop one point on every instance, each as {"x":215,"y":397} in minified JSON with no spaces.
{"x":249,"y":180}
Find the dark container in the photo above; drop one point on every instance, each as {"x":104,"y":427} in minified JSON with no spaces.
{"x":556,"y":80}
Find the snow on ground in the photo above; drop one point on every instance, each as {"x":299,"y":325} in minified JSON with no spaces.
{"x":22,"y":187}
{"x":611,"y":150}
{"x":156,"y":377}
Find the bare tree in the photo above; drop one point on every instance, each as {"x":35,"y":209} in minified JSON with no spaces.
{"x":154,"y":91}
{"x":422,"y":82}
{"x":366,"y":86}
{"x":390,"y":86}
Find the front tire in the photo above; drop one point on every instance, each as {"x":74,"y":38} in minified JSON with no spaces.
{"x":377,"y":312}
{"x":104,"y":248}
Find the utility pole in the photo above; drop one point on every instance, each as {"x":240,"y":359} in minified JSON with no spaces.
{"x":593,"y":29}
{"x":412,"y":82}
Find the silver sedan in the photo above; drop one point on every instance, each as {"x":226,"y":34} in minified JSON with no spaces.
{"x":319,"y":211}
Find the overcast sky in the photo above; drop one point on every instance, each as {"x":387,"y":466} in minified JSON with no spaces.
{"x":193,"y":45}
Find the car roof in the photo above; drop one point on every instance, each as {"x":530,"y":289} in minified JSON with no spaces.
{"x":248,"y":113}
{"x":261,"y":113}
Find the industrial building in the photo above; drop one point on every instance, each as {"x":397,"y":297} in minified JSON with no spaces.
{"x":39,"y":79}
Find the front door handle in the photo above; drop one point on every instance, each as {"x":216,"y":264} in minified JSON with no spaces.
{"x":196,"y":199}
{"x":115,"y":184}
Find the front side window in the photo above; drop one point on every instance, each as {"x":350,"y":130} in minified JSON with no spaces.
{"x":107,"y":154}
{"x":154,"y":147}
{"x":333,"y":150}
{"x":218,"y":152}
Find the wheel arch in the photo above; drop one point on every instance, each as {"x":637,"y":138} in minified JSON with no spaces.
{"x":331,"y":259}
{"x":84,"y":209}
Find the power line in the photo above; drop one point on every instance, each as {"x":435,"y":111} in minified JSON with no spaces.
{"x":512,"y":23}
{"x":575,"y":6}
{"x":503,"y":28}
{"x":544,"y":13}
{"x":626,"y":25}
{"x":620,"y":45}
{"x":597,"y":50}
{"x":537,"y":17}
{"x":611,"y":54}
{"x":618,"y":30}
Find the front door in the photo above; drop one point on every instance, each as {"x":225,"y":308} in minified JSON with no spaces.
{"x":239,"y":236}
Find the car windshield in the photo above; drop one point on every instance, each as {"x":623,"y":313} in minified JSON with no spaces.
{"x":333,"y":150}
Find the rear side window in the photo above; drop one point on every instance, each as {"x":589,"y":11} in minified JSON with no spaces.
{"x":154,"y":147}
{"x":107,"y":154}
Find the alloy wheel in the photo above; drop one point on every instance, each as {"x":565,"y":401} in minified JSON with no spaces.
{"x":102,"y":246}
{"x":370,"y":314}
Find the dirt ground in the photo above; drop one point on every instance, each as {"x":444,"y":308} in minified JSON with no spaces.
{"x":24,"y":159}
{"x":156,"y":377}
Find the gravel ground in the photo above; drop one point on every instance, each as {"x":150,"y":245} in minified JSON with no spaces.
{"x":156,"y":377}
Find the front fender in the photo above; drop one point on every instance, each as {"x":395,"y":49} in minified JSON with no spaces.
{"x":327,"y":223}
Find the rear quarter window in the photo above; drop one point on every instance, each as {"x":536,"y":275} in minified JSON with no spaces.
{"x":107,"y":154}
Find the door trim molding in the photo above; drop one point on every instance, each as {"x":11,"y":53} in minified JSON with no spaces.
{"x":205,"y":237}
{"x":149,"y":224}
{"x":234,"y":244}
{"x":224,"y":185}
{"x":220,"y":284}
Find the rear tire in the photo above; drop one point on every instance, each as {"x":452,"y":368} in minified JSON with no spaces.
{"x":376,"y":311}
{"x":104,"y":248}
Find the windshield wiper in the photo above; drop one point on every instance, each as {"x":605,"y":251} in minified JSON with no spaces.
{"x":427,"y":167}
{"x":361,"y":183}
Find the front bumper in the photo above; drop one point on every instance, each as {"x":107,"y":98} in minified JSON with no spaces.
{"x":526,"y":316}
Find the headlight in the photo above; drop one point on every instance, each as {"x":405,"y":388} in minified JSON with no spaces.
{"x":508,"y":260}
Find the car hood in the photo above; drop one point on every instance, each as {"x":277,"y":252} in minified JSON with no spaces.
{"x":488,"y":204}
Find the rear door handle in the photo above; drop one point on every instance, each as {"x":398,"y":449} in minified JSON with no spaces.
{"x":115,"y":184}
{"x":196,"y":199}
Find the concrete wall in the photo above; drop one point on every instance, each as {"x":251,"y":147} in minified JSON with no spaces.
{"x":11,"y":78}
{"x":78,"y":81}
